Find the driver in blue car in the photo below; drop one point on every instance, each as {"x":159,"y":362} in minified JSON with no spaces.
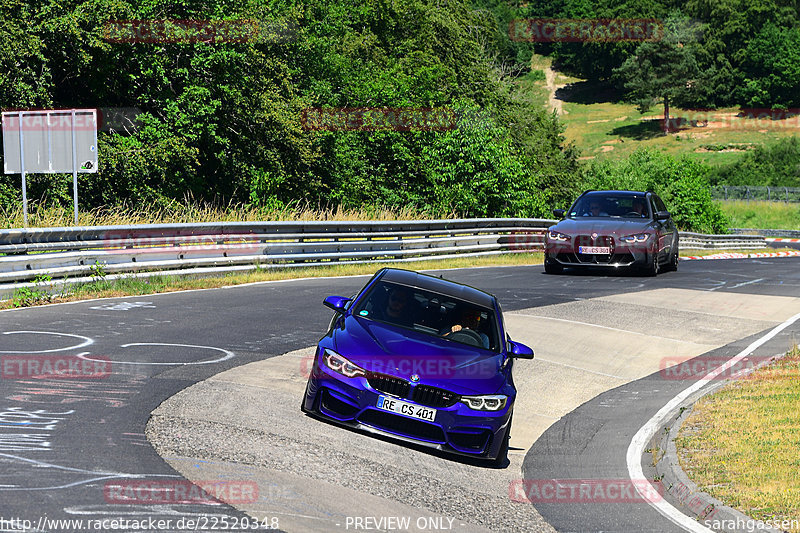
{"x":469,"y":319}
{"x":397,"y":310}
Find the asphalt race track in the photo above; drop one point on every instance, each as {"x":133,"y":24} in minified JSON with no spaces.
{"x":601,"y":344}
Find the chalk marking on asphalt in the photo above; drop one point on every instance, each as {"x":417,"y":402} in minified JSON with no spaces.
{"x":99,"y":476}
{"x":582,"y":369}
{"x":742,"y":284}
{"x":604,"y":327}
{"x":640,"y":440}
{"x":86,"y":341}
{"x":228,"y":355}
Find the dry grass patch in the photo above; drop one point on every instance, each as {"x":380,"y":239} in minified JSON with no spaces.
{"x":191,"y":212}
{"x":741,"y":444}
{"x":131,"y":286}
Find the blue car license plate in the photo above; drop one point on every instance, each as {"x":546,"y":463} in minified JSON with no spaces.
{"x":394,"y":405}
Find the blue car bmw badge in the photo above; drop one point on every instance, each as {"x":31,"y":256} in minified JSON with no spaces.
{"x":415,"y":377}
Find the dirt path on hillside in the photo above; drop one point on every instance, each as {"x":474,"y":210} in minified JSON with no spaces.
{"x":553,"y":102}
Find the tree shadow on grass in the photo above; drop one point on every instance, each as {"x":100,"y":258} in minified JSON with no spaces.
{"x":641,"y":131}
{"x":588,"y":92}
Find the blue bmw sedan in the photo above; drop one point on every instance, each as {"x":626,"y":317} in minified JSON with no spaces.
{"x":419,"y":359}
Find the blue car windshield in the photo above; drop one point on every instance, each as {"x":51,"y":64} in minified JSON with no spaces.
{"x":599,"y":205}
{"x":431,"y":314}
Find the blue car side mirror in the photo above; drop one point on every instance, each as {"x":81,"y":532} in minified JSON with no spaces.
{"x":337,"y":303}
{"x":520,"y":351}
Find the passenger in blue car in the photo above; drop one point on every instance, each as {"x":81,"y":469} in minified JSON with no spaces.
{"x":469,"y":320}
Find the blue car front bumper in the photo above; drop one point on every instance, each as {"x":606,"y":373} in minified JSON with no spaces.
{"x":456,"y":428}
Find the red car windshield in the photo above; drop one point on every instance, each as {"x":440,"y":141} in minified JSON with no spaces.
{"x":611,"y":206}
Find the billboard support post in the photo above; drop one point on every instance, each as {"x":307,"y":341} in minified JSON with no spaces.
{"x":74,"y":168}
{"x":22,"y":171}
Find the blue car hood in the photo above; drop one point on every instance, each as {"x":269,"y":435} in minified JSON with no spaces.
{"x":379,"y":347}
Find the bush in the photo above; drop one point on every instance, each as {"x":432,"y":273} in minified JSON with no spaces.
{"x":775,"y":164}
{"x":681,"y":183}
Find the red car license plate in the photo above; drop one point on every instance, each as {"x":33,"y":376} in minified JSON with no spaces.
{"x":594,"y":250}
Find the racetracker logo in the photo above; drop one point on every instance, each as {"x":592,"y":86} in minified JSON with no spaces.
{"x":180,"y":491}
{"x":751,"y":119}
{"x":109,"y":119}
{"x":379,"y":119}
{"x":54,"y":366}
{"x":585,"y":491}
{"x":674,"y":369}
{"x":199,"y":31}
{"x":585,"y":30}
{"x":447,"y":367}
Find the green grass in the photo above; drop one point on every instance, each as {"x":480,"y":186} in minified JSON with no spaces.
{"x":601,"y":127}
{"x":131,"y":286}
{"x":741,"y":444}
{"x":762,"y":214}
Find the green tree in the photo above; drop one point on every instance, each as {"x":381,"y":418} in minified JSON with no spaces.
{"x":662,"y":71}
{"x":776,"y":164}
{"x":772,"y":68}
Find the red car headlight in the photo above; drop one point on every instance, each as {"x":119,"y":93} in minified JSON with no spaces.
{"x":558,"y":236}
{"x":639,"y":237}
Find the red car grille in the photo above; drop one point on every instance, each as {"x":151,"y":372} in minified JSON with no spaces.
{"x":588,"y":240}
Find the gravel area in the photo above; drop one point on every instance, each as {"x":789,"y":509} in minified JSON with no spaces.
{"x":250,"y":416}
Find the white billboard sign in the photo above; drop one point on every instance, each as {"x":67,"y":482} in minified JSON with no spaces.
{"x":48,"y":141}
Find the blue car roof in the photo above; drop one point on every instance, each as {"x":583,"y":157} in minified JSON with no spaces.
{"x":439,"y":285}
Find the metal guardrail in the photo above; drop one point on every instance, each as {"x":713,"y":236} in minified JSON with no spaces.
{"x":752,"y":192}
{"x":690,"y":240}
{"x":85,"y":251}
{"x":779,"y":233}
{"x":78,"y":254}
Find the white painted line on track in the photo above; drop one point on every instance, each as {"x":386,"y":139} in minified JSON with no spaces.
{"x":626,"y":331}
{"x":582,"y":369}
{"x":640,"y":440}
{"x":86,"y":341}
{"x":228,"y":355}
{"x":742,"y":284}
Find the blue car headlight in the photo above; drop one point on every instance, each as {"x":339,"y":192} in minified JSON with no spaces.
{"x":339,"y":364}
{"x":558,"y":236}
{"x":639,"y":237}
{"x":489,"y":402}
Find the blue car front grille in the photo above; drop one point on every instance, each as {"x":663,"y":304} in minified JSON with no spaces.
{"x":389,"y":384}
{"x":421,"y":394}
{"x":433,"y":396}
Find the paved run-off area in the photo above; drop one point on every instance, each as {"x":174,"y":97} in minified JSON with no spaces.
{"x":245,"y":423}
